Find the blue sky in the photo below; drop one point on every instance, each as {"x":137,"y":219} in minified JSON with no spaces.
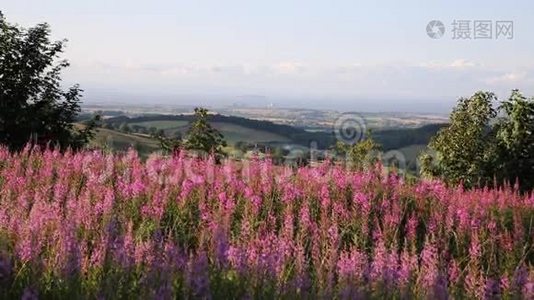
{"x":348,"y":55}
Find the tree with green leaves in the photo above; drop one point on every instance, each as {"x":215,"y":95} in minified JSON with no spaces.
{"x":169,"y":145}
{"x":33,"y":106}
{"x":514,"y":133}
{"x":482,"y":146}
{"x":202,"y":137}
{"x":465,"y":148}
{"x":360,"y":155}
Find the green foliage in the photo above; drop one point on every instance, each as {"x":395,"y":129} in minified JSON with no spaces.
{"x":272,"y":134}
{"x":393,"y":139}
{"x":483,"y":146}
{"x":359,"y":155}
{"x":202,"y":137}
{"x":33,"y":106}
{"x":169,"y":145}
{"x":515,"y":137}
{"x":465,"y":148}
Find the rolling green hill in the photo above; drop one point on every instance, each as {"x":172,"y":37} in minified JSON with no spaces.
{"x":256,"y":131}
{"x":235,"y":129}
{"x":232,"y":132}
{"x":161,"y":124}
{"x":119,"y":141}
{"x":235,"y":133}
{"x":238,"y":130}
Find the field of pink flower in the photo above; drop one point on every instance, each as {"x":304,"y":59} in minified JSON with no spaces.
{"x":94,"y":225}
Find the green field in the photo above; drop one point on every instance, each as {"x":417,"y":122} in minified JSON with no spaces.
{"x":163,"y":124}
{"x":233,"y":133}
{"x":111,"y":139}
{"x":408,"y":141}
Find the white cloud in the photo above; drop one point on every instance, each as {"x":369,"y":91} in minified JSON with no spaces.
{"x":456,"y":64}
{"x":443,"y":79}
{"x":462,"y":63}
{"x":288,"y":67}
{"x":508,"y":78}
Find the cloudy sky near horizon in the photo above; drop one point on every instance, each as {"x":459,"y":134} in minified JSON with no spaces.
{"x":373,"y":55}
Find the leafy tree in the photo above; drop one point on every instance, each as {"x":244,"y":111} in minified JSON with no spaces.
{"x":465,"y":148}
{"x":515,"y":135}
{"x":201,"y":136}
{"x":33,"y":106}
{"x":360,"y":155}
{"x":482,"y":146}
{"x":170,"y":145}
